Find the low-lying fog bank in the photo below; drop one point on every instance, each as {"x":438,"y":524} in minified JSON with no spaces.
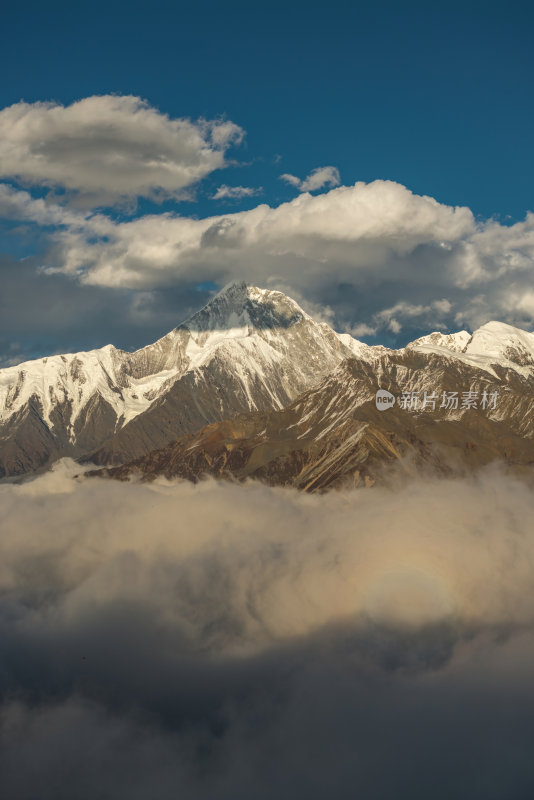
{"x":217,"y":641}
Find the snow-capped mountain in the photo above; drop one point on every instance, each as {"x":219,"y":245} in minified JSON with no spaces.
{"x":248,"y":351}
{"x":503,"y":344}
{"x":334,"y":435}
{"x":492,"y":347}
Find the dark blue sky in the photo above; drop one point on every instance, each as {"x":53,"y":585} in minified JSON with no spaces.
{"x":435,"y":96}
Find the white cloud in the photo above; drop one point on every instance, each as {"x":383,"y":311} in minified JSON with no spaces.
{"x":291,"y":179}
{"x":18,"y":204}
{"x":317,"y":179}
{"x":363,"y":330}
{"x":428,"y":315}
{"x":108,"y":148}
{"x":284,"y":569}
{"x":169,"y":640}
{"x":235,"y":192}
{"x":349,"y":230}
{"x":400,"y":258}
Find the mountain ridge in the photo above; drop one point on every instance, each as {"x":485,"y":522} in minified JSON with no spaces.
{"x":248,"y":350}
{"x":333,"y":436}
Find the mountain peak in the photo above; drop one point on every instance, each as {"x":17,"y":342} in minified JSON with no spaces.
{"x":451,"y":341}
{"x":501,"y":329}
{"x":500,"y":340}
{"x":239,"y":305}
{"x":241,"y":291}
{"x":242,"y":286}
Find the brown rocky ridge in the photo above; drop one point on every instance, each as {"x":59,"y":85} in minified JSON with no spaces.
{"x":334,"y":436}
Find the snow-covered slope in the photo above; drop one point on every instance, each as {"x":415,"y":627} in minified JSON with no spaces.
{"x":259,"y":334}
{"x":365,"y":352}
{"x":73,"y":379}
{"x":247,"y":349}
{"x":242,"y":322}
{"x":493,"y":346}
{"x":504,"y":343}
{"x":451,"y":341}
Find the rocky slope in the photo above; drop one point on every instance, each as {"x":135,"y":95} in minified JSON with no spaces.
{"x":248,"y":349}
{"x":256,"y":353}
{"x":334,"y":435}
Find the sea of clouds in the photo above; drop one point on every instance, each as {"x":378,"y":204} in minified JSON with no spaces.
{"x":219,"y":641}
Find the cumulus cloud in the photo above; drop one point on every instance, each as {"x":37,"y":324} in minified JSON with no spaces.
{"x":432,"y":314}
{"x":168,"y":640}
{"x":317,"y":179}
{"x":351,"y":231}
{"x":225,"y":192}
{"x":18,"y":204}
{"x":377,"y":256}
{"x":109,"y":147}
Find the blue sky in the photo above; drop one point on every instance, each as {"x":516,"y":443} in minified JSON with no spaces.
{"x":434,"y":97}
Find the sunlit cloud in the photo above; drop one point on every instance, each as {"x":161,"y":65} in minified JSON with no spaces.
{"x":225,"y":192}
{"x":374,"y":257}
{"x":181,"y":632}
{"x":389,"y":248}
{"x":317,"y":179}
{"x":108,"y":148}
